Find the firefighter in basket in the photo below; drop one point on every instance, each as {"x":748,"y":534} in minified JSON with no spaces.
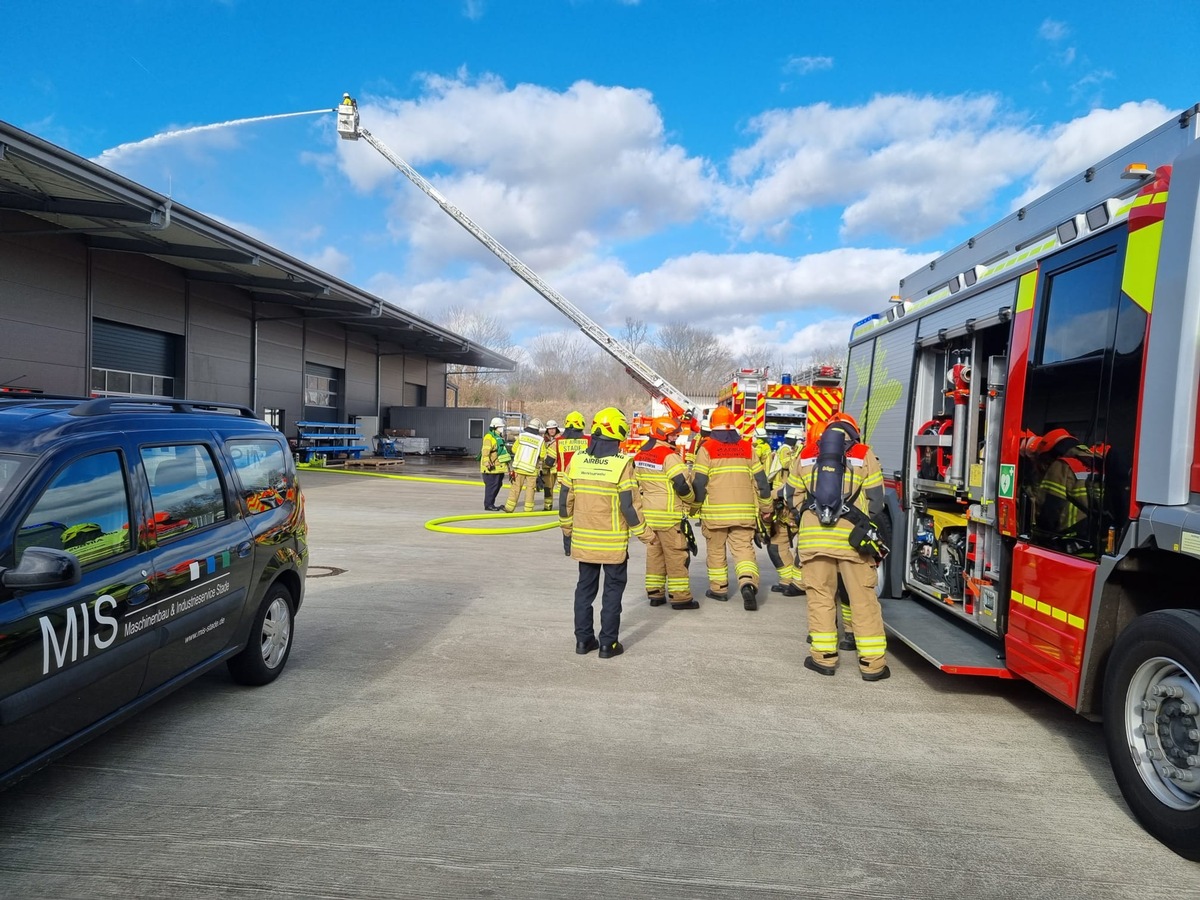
{"x":666,"y":493}
{"x":838,"y":493}
{"x":732,"y":492}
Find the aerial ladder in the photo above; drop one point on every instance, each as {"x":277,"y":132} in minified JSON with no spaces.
{"x":677,"y":403}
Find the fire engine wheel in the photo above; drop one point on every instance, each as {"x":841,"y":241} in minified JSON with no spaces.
{"x":1152,"y":725}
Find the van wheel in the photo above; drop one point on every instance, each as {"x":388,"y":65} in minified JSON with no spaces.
{"x":1152,"y":724}
{"x":270,"y":642}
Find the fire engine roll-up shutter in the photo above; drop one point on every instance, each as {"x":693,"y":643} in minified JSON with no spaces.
{"x":128,"y":348}
{"x":985,"y":305}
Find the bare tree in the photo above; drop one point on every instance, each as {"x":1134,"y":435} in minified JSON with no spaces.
{"x":691,"y":358}
{"x":476,"y":386}
{"x":635,"y":334}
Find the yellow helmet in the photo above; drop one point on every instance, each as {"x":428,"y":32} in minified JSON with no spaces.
{"x":575,"y":420}
{"x":610,"y":422}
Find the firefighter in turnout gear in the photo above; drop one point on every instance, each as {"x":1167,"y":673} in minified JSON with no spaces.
{"x":494,"y":460}
{"x":666,"y":493}
{"x":762,"y":448}
{"x":599,"y":507}
{"x":549,"y":462}
{"x":527,"y":456}
{"x":839,"y":491}
{"x":782,"y":526}
{"x":732,"y":491}
{"x":1069,"y":503}
{"x":572,"y":439}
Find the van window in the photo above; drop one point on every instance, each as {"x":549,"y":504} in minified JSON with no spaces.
{"x":184,"y":488}
{"x":262,"y":468}
{"x":85,"y":511}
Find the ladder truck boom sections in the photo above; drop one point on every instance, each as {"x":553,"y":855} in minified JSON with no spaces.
{"x":680,"y":405}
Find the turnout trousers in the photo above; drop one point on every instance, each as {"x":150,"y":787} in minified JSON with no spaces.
{"x":548,"y":481}
{"x":740,"y":540}
{"x":859,"y":577}
{"x":615,"y":576}
{"x":526,"y":484}
{"x":667,"y":566}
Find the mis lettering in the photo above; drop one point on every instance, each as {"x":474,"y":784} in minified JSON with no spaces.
{"x":78,"y":637}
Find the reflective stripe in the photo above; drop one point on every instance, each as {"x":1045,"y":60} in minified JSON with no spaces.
{"x":870,"y":647}
{"x":824,"y":641}
{"x":655,"y":582}
{"x":680,"y":585}
{"x":1141,"y":264}
{"x":745,"y":567}
{"x":1047,"y":609}
{"x":1026,"y":291}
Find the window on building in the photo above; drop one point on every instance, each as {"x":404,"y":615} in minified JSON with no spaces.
{"x":475,"y":429}
{"x":274,"y":417}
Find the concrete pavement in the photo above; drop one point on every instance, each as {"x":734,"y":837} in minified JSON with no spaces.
{"x":435,"y":735}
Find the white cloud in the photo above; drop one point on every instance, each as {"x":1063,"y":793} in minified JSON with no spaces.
{"x":802,"y":65}
{"x":903,"y":166}
{"x":549,"y":174}
{"x":1053,"y":30}
{"x":330,"y":259}
{"x":1070,"y":148}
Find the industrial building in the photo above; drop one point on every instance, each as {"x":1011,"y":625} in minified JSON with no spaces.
{"x":109,"y":288}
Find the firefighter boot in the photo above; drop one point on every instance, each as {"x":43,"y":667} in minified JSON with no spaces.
{"x":828,"y":669}
{"x":847,"y":641}
{"x":749,"y":596}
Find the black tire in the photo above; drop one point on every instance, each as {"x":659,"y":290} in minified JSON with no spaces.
{"x":270,"y":644}
{"x":1155,"y":752}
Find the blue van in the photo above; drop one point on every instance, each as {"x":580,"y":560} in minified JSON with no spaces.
{"x":142,"y":543}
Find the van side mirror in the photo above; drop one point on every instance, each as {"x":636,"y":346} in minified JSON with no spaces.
{"x":41,"y":568}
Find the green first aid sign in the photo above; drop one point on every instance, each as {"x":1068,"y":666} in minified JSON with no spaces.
{"x":1008,"y":480}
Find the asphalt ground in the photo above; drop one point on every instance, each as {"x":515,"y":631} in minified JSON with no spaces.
{"x":435,"y":735}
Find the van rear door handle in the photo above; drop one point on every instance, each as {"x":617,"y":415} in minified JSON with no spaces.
{"x":138,"y":594}
{"x":244,"y":548}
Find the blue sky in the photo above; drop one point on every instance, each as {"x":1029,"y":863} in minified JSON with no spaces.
{"x":767,"y":170}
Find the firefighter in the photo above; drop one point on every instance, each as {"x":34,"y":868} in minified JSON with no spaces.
{"x":732,"y":491}
{"x":762,"y":447}
{"x":494,"y":462}
{"x":782,"y":526}
{"x":839,"y":493}
{"x":599,"y":507}
{"x":1069,"y":499}
{"x":667,"y":494}
{"x":527,"y":455}
{"x":572,"y":439}
{"x":549,"y":462}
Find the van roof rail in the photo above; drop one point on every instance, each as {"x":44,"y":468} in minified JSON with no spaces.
{"x":103,"y":406}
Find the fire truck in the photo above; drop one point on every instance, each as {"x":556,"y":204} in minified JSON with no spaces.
{"x":758,"y":402}
{"x":1032,"y":397}
{"x":677,"y":403}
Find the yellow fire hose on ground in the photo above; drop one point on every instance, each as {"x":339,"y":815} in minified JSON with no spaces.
{"x":441,"y":523}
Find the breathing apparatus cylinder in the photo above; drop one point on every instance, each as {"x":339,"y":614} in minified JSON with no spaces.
{"x":827,"y":496}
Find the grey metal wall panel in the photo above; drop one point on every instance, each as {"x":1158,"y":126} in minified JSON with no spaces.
{"x":445,"y":426}
{"x":219,"y":344}
{"x":138,"y":291}
{"x":360,"y":380}
{"x":43,"y":315}
{"x":325,"y":343}
{"x":986,"y":303}
{"x":883,"y":424}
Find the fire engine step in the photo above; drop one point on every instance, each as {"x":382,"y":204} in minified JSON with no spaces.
{"x":954,"y":647}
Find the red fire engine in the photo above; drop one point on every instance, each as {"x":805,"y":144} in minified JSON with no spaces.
{"x":1032,"y":395}
{"x":758,"y":402}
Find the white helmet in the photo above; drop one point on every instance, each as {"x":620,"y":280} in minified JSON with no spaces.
{"x":535,"y":424}
{"x":550,"y":423}
{"x":496,"y":422}
{"x":760,"y":432}
{"x":794,"y":434}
